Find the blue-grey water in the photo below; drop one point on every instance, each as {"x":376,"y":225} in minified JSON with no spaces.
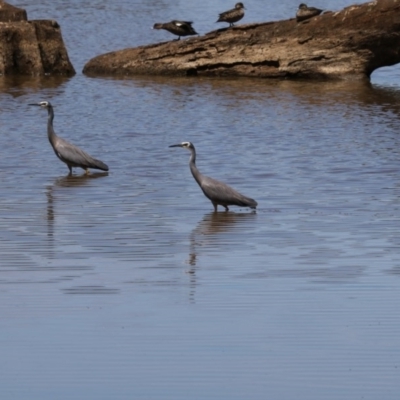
{"x":126,"y":285}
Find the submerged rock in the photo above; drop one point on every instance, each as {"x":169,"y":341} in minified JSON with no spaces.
{"x":348,"y":44}
{"x":31,"y":47}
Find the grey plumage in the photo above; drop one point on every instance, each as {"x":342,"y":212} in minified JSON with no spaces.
{"x":233,"y":15}
{"x":217,"y":192}
{"x":179,"y":28}
{"x":304,"y":12}
{"x":68,"y":153}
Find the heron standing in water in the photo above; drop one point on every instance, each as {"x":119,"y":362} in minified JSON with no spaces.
{"x":217,"y":192}
{"x":68,"y":153}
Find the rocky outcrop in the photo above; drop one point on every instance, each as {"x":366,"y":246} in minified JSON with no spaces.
{"x":31,"y":47}
{"x":350,"y":43}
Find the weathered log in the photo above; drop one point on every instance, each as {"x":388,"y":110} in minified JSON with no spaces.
{"x":31,"y":47}
{"x":351,"y":43}
{"x":9,"y":13}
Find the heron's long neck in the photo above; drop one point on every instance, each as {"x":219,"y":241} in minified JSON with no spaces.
{"x":192,"y":164}
{"x":50,"y":130}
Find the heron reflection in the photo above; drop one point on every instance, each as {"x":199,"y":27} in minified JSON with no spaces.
{"x":208,"y":231}
{"x":210,"y":235}
{"x":60,"y":190}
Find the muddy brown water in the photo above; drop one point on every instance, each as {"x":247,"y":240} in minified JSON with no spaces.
{"x":126,"y":285}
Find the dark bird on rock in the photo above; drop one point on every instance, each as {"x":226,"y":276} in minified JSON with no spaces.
{"x":68,"y":153}
{"x":233,"y":15}
{"x":219,"y":193}
{"x":179,"y":28}
{"x":305,"y":12}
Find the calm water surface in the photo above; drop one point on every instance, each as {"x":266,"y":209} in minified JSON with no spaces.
{"x":125,"y":285}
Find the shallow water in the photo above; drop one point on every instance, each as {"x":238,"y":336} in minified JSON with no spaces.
{"x":126,"y":285}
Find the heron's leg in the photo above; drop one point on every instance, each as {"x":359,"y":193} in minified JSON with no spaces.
{"x":226,"y":208}
{"x":70,"y":169}
{"x":215,"y":206}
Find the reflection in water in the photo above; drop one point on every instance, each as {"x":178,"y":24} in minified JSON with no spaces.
{"x":215,"y":223}
{"x":90,"y":290}
{"x":77,"y":180}
{"x":69,"y":181}
{"x":207,"y":236}
{"x":240,"y":91}
{"x":20,"y":85}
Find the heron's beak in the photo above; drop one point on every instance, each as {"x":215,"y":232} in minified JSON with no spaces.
{"x":175,"y":145}
{"x":35,"y":104}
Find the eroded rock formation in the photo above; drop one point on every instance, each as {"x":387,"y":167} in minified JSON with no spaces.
{"x":350,"y":43}
{"x":31,"y":47}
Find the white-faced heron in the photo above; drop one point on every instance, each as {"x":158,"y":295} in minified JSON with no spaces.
{"x":68,"y":153}
{"x":233,"y":15}
{"x":217,"y":192}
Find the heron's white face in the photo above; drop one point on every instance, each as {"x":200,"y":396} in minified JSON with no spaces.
{"x":44,"y":104}
{"x":186,"y":145}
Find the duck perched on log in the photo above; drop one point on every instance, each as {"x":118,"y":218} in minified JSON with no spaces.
{"x":233,"y":15}
{"x":304,"y":12}
{"x":179,"y":28}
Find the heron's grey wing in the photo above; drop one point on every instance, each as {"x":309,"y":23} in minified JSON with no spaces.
{"x":75,"y":156}
{"x":221,"y":193}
